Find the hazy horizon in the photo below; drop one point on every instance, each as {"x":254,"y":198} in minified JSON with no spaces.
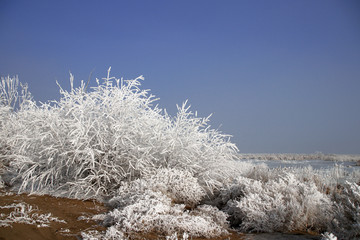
{"x":280,"y":76}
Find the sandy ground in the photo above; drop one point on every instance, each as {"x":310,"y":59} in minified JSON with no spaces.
{"x":68,"y":210}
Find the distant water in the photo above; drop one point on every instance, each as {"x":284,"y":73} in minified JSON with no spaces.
{"x":314,"y":163}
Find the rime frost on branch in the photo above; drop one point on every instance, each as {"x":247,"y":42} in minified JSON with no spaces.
{"x":14,"y":94}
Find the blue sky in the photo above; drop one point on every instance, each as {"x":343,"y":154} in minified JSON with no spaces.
{"x":280,"y":76}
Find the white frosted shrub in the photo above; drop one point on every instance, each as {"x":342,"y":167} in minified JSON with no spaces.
{"x":281,"y":204}
{"x":166,"y":203}
{"x":294,"y":199}
{"x":87,"y":143}
{"x":346,"y":223}
{"x":179,"y":185}
{"x":153,"y":211}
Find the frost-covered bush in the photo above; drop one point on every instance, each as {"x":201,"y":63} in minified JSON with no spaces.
{"x":347,"y":211}
{"x":279,"y":204}
{"x":293,"y":199}
{"x":179,"y":185}
{"x":283,"y":204}
{"x":89,"y":142}
{"x":166,"y":203}
{"x":154,"y":212}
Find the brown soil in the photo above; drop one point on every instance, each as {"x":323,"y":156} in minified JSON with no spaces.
{"x":64,"y":209}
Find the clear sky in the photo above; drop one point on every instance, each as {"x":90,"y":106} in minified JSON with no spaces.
{"x":280,"y":76}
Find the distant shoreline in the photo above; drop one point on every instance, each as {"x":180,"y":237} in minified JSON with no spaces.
{"x":299,"y":157}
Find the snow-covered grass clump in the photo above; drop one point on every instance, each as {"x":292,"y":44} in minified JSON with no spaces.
{"x":170,"y":175}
